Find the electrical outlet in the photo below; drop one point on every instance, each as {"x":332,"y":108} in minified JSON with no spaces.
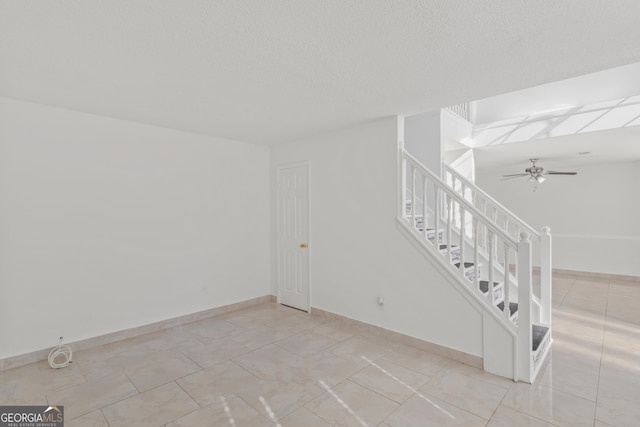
{"x":205,"y":291}
{"x":381,"y":303}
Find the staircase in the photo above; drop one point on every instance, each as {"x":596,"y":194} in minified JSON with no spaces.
{"x":488,"y":252}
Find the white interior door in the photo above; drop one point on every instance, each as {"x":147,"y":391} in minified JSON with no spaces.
{"x":293,"y":236}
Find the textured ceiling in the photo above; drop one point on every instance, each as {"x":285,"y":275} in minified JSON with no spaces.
{"x":271,"y":71}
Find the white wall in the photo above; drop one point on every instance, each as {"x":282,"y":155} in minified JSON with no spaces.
{"x":434,"y":138}
{"x":423,"y":139}
{"x":107,"y":225}
{"x":594,"y":216}
{"x":463,"y":162}
{"x":356,"y":251}
{"x":456,"y":131}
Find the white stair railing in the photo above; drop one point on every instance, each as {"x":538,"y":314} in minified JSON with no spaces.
{"x":424,"y":186}
{"x":512,"y":225}
{"x":436,"y":214}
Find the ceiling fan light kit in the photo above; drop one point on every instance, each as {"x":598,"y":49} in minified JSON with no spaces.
{"x":536,"y":174}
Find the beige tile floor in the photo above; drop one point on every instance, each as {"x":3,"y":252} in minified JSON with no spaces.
{"x":271,"y":365}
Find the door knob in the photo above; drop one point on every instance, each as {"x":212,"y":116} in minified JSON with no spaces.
{"x":303,"y":245}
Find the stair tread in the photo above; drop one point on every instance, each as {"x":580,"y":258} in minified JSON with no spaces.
{"x":443,"y":246}
{"x":513,"y":307}
{"x":538,"y":334}
{"x":466,"y":264}
{"x":429,"y":230}
{"x":484,"y":286}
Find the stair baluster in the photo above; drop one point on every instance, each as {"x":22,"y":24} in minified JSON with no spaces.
{"x":507,"y":303}
{"x":461,"y":214}
{"x":476,"y":271}
{"x":516,"y":271}
{"x":460,"y":219}
{"x":402,"y":209}
{"x":424,"y":207}
{"x":413,"y":196}
{"x":436,"y":239}
{"x":449,"y":215}
{"x":545,"y":276}
{"x":495,"y":221}
{"x":491,"y":264}
{"x":485,"y":238}
{"x":453,"y":185}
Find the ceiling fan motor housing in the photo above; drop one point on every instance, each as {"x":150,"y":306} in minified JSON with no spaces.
{"x":534,"y":170}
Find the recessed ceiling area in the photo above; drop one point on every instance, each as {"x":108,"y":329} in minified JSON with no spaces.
{"x":554,"y":123}
{"x":592,"y":88}
{"x":608,"y":146}
{"x":269,"y":71}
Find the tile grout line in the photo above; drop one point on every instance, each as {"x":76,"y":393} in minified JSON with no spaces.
{"x":194,"y":401}
{"x":196,"y":363}
{"x":384,"y":358}
{"x":245,"y":369}
{"x":455,"y":405}
{"x":606,"y":322}
{"x":517,"y":410}
{"x":253,"y":407}
{"x":104,"y":417}
{"x":136,"y":395}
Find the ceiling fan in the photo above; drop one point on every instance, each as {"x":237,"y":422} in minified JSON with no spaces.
{"x":536,"y":173}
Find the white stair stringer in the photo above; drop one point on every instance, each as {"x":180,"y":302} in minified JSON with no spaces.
{"x":516,"y":325}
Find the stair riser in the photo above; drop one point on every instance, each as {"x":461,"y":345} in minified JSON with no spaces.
{"x":541,"y":349}
{"x":455,"y":254}
{"x":498,"y":294}
{"x":431,"y":234}
{"x":470,"y":274}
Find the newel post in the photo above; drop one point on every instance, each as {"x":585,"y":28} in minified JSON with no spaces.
{"x":525,"y":294}
{"x":545,"y":275}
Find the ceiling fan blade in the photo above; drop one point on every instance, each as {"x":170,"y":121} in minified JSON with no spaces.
{"x":561,"y":173}
{"x":520,"y":175}
{"x":515,"y":174}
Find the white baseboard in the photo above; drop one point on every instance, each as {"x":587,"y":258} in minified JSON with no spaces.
{"x":447,"y":353}
{"x":38,"y":355}
{"x":586,"y":274}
